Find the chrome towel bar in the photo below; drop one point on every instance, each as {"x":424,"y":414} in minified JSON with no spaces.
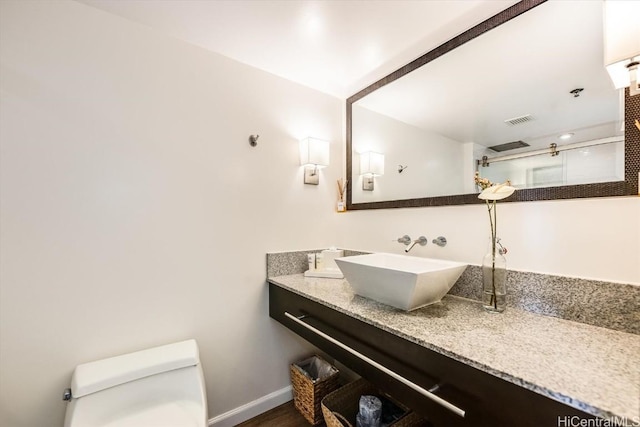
{"x":451,"y":407}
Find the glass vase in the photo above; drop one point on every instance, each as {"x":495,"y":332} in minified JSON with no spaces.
{"x":494,"y":278}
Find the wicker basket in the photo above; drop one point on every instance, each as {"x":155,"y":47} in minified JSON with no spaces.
{"x":341,"y":407}
{"x":308,"y":394}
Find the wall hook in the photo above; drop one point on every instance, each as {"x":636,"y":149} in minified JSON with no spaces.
{"x":253,"y":140}
{"x":401,"y":168}
{"x":576,"y":92}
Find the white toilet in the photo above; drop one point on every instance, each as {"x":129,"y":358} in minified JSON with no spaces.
{"x":160,"y":387}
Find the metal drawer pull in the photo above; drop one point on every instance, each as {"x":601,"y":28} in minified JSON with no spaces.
{"x":383,"y":368}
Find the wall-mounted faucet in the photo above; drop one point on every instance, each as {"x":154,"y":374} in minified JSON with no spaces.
{"x":422,"y":241}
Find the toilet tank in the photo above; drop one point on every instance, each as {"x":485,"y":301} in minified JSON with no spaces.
{"x":162,"y":386}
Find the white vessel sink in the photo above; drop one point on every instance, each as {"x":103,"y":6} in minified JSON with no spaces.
{"x":401,"y":281}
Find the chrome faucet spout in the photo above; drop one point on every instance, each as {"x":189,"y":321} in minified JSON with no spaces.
{"x":422,"y":241}
{"x":410,"y":246}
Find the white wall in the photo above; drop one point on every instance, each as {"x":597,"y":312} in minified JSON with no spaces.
{"x":134,"y":211}
{"x":589,"y":238}
{"x":434,"y":163}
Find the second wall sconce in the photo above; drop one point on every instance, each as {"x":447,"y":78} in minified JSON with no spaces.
{"x":371,"y":165}
{"x":314,"y":154}
{"x":622,"y":44}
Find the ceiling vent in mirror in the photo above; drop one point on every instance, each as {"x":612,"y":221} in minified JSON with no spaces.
{"x":509,"y":146}
{"x":519,"y":120}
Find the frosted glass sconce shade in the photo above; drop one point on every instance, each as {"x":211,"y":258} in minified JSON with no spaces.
{"x":371,"y":165}
{"x":314,"y":154}
{"x":622,"y":43}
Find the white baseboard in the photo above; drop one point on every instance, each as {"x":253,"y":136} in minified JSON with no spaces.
{"x":252,"y":409}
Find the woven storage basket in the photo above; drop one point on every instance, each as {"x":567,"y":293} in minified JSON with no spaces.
{"x":308,"y":394}
{"x":341,"y":407}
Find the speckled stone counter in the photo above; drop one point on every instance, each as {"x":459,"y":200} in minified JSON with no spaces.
{"x":590,"y":368}
{"x":595,"y":302}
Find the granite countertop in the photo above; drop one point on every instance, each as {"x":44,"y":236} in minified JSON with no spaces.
{"x":594,"y":369}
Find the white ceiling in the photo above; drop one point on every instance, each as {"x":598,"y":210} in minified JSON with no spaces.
{"x":337,"y":47}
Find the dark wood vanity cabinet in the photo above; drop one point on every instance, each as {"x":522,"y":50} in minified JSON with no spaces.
{"x":486,"y":400}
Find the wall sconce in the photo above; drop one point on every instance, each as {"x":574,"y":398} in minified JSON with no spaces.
{"x":314,"y":154}
{"x":371,"y":165}
{"x":622,"y":43}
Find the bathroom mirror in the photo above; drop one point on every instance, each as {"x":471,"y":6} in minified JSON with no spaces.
{"x":522,"y":96}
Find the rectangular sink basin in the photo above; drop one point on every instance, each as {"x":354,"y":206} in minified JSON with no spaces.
{"x":404,"y":282}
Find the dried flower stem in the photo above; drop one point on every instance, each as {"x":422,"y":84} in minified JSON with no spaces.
{"x":342,"y":186}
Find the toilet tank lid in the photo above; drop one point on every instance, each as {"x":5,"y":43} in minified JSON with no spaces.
{"x":95,"y":376}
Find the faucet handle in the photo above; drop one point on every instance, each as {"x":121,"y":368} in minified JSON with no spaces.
{"x":440,"y":241}
{"x":422,"y":241}
{"x":405,"y":240}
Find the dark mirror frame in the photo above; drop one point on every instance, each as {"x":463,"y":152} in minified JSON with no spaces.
{"x":627,"y":187}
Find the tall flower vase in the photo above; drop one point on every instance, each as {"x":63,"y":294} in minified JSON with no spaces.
{"x":494,"y":265}
{"x":494,"y":278}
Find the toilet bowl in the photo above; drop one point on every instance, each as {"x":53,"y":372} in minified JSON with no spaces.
{"x":159,"y":387}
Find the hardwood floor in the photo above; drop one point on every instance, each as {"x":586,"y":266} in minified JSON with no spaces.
{"x":282,"y":416}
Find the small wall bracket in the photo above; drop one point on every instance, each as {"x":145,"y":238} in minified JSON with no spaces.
{"x":311,"y":175}
{"x":367,"y":183}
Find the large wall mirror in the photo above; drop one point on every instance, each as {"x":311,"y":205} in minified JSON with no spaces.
{"x":523,"y":96}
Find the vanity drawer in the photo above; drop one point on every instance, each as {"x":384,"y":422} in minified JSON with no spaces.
{"x":408,"y":370}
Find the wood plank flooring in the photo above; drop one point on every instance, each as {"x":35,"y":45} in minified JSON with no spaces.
{"x":282,"y":416}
